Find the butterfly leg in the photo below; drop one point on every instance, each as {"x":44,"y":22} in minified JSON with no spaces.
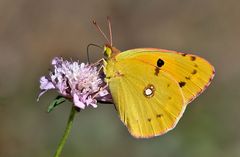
{"x":100,"y":90}
{"x":102,"y":65}
{"x":100,"y":68}
{"x":98,"y":62}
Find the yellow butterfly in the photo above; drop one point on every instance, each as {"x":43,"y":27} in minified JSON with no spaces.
{"x":151,"y":87}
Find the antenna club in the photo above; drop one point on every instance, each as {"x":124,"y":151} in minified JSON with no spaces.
{"x":94,"y":22}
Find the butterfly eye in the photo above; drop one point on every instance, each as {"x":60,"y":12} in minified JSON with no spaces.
{"x":105,"y":53}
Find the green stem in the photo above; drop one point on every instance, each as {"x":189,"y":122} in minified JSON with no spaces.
{"x":66,"y":133}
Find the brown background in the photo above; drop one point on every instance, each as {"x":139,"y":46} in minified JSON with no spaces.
{"x":33,"y":32}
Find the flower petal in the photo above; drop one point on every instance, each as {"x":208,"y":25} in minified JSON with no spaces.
{"x":77,"y":102}
{"x":57,"y":60}
{"x":94,"y":105}
{"x":45,"y":84}
{"x":103,"y":93}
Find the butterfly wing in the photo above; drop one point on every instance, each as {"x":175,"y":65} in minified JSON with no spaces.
{"x":148,"y":104}
{"x":192,"y":72}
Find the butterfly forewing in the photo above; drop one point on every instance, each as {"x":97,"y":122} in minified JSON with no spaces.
{"x":192,"y":73}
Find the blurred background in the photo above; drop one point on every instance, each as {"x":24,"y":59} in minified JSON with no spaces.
{"x":33,"y":32}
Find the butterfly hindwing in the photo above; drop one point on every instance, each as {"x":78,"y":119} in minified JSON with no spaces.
{"x":148,"y":104}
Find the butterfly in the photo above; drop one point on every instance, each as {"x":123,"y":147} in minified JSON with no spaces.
{"x":152,"y":87}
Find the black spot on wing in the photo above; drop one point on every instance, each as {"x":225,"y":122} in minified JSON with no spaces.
{"x":183,"y":54}
{"x":149,"y":119}
{"x":187,"y":78}
{"x":159,"y":115}
{"x":194,"y":71}
{"x":181,"y":84}
{"x":193,"y":58}
{"x":157,"y":69}
{"x":160,"y":62}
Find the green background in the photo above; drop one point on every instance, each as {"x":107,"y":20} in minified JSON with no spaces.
{"x":33,"y":32}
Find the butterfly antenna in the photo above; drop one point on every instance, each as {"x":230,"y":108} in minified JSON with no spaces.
{"x":88,"y":58}
{"x":99,"y":29}
{"x":110,"y":29}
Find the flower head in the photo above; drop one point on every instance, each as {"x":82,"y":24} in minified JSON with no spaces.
{"x":79,"y":82}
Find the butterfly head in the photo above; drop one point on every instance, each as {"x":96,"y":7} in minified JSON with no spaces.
{"x":110,"y":51}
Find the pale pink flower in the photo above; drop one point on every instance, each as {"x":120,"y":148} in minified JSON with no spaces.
{"x":76,"y":81}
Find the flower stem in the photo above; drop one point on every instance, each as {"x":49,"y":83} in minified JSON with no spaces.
{"x":66,"y":132}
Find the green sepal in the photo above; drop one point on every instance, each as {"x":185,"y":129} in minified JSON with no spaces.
{"x":57,"y":101}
